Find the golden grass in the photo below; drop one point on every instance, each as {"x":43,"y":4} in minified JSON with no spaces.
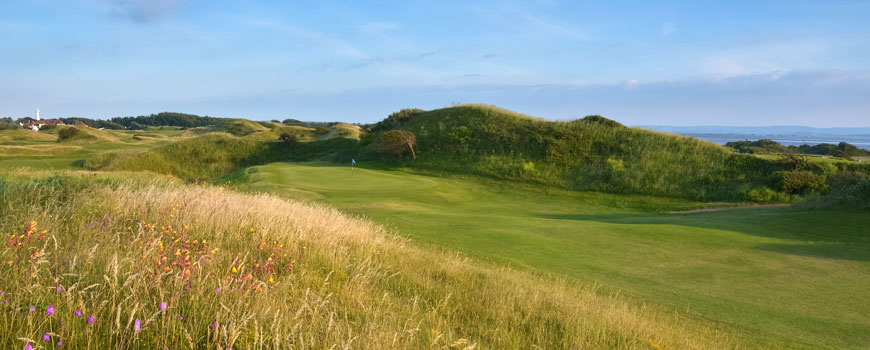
{"x":37,"y":150}
{"x":334,"y":281}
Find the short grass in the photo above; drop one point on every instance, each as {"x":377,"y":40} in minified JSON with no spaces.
{"x":780,"y":276}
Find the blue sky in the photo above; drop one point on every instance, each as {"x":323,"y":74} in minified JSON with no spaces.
{"x":638,"y":62}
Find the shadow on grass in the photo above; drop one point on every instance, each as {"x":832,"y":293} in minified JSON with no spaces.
{"x":822,"y":234}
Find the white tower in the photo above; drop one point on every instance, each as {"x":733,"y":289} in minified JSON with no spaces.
{"x":37,"y":114}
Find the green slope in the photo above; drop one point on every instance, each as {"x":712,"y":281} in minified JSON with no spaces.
{"x":784,"y":278}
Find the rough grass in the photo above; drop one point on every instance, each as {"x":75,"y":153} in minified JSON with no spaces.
{"x":258,"y":272}
{"x":19,"y":136}
{"x":36,"y":150}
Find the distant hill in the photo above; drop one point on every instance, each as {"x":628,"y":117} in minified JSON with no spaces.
{"x":593,"y":153}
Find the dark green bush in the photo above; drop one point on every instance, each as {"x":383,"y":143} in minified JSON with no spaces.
{"x":801,"y":182}
{"x":67,"y":133}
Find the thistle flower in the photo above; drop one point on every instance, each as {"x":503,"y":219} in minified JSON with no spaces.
{"x":46,"y":337}
{"x":50,"y":310}
{"x":163,"y":306}
{"x":78,"y":313}
{"x":91,"y":319}
{"x":137,"y":326}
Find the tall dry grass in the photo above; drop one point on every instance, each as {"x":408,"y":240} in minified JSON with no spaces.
{"x":258,"y":272}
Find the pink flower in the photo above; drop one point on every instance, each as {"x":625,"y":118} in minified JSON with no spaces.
{"x":31,"y":309}
{"x":46,"y":337}
{"x":28,"y":347}
{"x":137,"y":326}
{"x":163,"y":306}
{"x":91,"y":319}
{"x":59,"y":288}
{"x":78,"y":313}
{"x":59,"y":343}
{"x":50,"y":310}
{"x":213,"y":325}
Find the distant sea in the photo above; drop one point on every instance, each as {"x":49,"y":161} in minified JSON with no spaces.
{"x":786,"y":135}
{"x":787,"y":140}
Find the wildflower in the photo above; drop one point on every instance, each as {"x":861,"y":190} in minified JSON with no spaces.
{"x":217,"y":290}
{"x":137,"y":326}
{"x":31,"y":309}
{"x":78,"y":313}
{"x":163,"y":306}
{"x":59,"y":288}
{"x":59,"y":343}
{"x":91,"y":319}
{"x":46,"y":337}
{"x":213,"y":325}
{"x":180,"y":318}
{"x":28,"y":347}
{"x":50,"y":310}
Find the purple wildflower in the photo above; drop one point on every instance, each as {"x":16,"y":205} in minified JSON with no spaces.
{"x":163,"y":306}
{"x":91,"y":319}
{"x":137,"y":326}
{"x":59,"y":343}
{"x":79,"y":313}
{"x":46,"y":337}
{"x":28,"y":347}
{"x":50,"y":310}
{"x":180,"y":318}
{"x":217,"y":290}
{"x":213,"y":325}
{"x":59,"y":288}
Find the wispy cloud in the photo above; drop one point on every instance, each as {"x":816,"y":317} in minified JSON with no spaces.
{"x":334,"y":42}
{"x":144,"y":10}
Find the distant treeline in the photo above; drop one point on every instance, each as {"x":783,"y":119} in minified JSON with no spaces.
{"x":767,"y":146}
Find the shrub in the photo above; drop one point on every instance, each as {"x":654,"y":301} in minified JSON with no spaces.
{"x":801,"y":182}
{"x":289,"y":139}
{"x":67,"y":133}
{"x":761,"y":195}
{"x":397,"y":142}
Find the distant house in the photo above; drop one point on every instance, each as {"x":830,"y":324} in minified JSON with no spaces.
{"x":80,"y":123}
{"x":39,"y":123}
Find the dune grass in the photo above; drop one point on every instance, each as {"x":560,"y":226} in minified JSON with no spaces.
{"x":125,"y":261}
{"x":784,"y":278}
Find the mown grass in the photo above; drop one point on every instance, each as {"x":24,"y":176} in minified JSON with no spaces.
{"x":784,"y":278}
{"x":154,"y":264}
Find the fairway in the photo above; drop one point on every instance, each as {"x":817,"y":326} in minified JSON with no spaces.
{"x":777,"y":275}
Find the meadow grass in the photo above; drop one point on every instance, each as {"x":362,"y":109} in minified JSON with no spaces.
{"x":781,"y":277}
{"x":124,"y":261}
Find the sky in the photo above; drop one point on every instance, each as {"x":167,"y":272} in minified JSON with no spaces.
{"x":736,"y":62}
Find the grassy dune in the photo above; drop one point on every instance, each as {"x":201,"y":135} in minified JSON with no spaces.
{"x":257,"y":272}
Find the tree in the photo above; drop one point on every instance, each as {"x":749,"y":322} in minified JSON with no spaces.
{"x":397,"y":142}
{"x":289,"y":139}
